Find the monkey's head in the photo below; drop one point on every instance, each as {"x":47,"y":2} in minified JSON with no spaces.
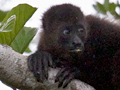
{"x":65,"y":28}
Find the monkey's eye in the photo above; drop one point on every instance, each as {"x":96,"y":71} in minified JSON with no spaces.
{"x":81,"y":30}
{"x":66,"y":32}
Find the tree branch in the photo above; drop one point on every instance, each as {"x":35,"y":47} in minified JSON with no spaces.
{"x":14,"y":72}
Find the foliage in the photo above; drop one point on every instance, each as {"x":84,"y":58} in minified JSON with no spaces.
{"x":12,"y":30}
{"x":2,"y":15}
{"x":107,"y":7}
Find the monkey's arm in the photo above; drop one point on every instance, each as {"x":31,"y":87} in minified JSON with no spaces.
{"x":38,"y":63}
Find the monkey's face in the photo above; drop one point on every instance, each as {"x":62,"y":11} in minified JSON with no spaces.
{"x":72,"y":37}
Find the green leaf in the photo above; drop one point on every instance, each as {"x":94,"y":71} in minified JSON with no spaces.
{"x":112,"y":7}
{"x":9,"y":25}
{"x":28,"y":50}
{"x":23,"y":39}
{"x":100,"y":8}
{"x":2,"y":15}
{"x":106,"y":5}
{"x":22,"y":12}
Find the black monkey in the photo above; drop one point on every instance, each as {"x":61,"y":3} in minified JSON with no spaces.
{"x":84,"y":47}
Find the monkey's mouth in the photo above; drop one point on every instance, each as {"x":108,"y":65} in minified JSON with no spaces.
{"x":76,"y":50}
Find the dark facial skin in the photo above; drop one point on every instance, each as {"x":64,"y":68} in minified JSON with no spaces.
{"x":71,"y":37}
{"x":84,"y":47}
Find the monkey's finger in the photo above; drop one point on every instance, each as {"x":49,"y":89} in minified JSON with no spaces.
{"x":67,"y":81}
{"x":39,"y":67}
{"x":60,"y":73}
{"x":30,"y":62}
{"x":37,"y":76}
{"x":33,"y":62}
{"x":45,"y":66}
{"x":63,"y":77}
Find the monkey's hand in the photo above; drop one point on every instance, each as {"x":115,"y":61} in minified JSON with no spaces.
{"x":65,"y":75}
{"x":38,"y":63}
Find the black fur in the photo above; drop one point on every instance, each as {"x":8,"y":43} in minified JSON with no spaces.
{"x":84,"y":47}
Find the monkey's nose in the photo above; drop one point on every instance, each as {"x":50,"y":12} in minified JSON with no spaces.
{"x":76,"y":42}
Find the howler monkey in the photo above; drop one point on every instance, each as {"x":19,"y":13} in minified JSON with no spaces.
{"x":84,"y":47}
